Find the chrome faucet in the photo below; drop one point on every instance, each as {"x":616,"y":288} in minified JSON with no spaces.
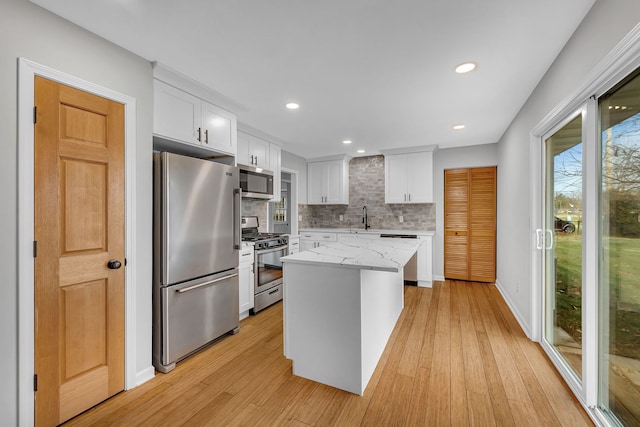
{"x":365,"y":218}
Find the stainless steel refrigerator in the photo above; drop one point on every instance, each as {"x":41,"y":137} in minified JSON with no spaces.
{"x":196,"y":241}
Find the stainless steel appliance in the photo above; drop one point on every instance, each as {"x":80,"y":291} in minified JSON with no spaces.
{"x":256,"y":183}
{"x":196,"y":241}
{"x":267,"y":266}
{"x":411,"y":268}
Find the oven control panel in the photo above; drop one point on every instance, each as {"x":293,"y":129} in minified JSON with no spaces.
{"x":271,"y":243}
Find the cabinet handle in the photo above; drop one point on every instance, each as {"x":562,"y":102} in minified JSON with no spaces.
{"x":409,"y":196}
{"x":206,"y":136}
{"x":199,"y":134}
{"x":256,"y":163}
{"x":405,"y":197}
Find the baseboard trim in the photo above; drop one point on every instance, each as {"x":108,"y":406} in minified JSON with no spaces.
{"x":144,"y":375}
{"x":514,"y":310}
{"x":438,"y":278}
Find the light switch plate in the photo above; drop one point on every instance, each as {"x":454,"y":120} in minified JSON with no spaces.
{"x":341,"y":217}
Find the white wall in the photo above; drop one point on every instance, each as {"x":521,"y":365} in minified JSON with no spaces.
{"x":297,"y":163}
{"x":603,"y":27}
{"x":454,"y":158}
{"x":28,"y":31}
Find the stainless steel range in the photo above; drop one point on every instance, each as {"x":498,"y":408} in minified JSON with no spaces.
{"x":268,"y":249}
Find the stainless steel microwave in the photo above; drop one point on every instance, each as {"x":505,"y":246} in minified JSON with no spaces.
{"x":256,"y":183}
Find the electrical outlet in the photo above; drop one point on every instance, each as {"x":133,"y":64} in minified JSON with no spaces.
{"x":299,"y":217}
{"x":341,"y":217}
{"x":401,"y":218}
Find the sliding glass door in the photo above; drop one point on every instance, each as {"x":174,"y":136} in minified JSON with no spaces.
{"x":562,"y":244}
{"x":619,"y":284}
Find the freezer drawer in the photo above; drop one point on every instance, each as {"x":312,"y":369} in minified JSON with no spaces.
{"x":196,"y":313}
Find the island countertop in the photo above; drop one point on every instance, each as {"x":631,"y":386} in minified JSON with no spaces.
{"x":370,"y":254}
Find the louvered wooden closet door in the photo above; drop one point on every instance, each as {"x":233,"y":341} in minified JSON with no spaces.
{"x":470,"y":224}
{"x":456,"y":224}
{"x":482,"y":218}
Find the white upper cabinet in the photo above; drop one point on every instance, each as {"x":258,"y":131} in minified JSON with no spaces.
{"x":185,"y":119}
{"x":328,"y":181}
{"x":275,"y":165}
{"x":218,"y":129}
{"x":176,"y":114}
{"x":408,"y":176}
{"x":182,"y":117}
{"x":253,"y":151}
{"x":257,"y":152}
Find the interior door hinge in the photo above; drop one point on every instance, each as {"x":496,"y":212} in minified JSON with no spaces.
{"x":35,"y":248}
{"x":35,"y":114}
{"x":35,"y":382}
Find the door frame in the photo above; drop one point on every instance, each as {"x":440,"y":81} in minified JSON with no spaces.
{"x":623,"y":59}
{"x":27,"y":70}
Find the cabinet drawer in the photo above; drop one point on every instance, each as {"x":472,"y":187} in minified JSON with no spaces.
{"x":325,"y":237}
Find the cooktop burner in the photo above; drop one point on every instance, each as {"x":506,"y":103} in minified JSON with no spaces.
{"x":250,"y":231}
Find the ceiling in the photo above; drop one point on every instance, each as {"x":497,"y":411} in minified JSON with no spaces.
{"x":377,"y":72}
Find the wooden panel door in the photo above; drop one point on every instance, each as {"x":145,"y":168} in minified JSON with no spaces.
{"x":79,"y":228}
{"x":482,"y":219}
{"x":470,"y":224}
{"x":456,"y":224}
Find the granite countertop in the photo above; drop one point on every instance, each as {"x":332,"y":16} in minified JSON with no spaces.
{"x":369,"y":231}
{"x":370,"y":254}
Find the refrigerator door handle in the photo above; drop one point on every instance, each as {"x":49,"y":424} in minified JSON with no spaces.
{"x":237,"y":232}
{"x":202,"y":285}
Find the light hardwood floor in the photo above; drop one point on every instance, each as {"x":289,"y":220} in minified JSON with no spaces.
{"x":456,"y":357}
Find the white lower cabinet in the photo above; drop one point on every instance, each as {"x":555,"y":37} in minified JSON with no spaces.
{"x":294,"y":245}
{"x":425,"y":262}
{"x":245,"y":279}
{"x":310,"y":240}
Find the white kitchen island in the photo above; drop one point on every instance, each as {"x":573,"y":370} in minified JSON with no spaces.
{"x":341,"y":303}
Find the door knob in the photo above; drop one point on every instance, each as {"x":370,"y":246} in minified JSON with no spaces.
{"x":114,"y":264}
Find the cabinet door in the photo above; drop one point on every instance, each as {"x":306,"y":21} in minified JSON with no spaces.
{"x":305,"y":245}
{"x":425,"y":261}
{"x":275,"y":160}
{"x":218,"y":129}
{"x":333,"y":180}
{"x":177,"y":115}
{"x":242,"y":155}
{"x":245,"y":276}
{"x":315,"y":187}
{"x":419,"y":177}
{"x":396,"y":178}
{"x":259,"y":149}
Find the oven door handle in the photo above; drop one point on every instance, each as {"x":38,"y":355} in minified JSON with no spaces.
{"x":202,"y":285}
{"x":267,"y":251}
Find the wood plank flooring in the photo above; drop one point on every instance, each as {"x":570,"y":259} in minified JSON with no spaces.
{"x":457,"y":357}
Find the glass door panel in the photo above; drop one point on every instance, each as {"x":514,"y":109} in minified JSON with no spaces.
{"x":563,"y":244}
{"x":619,"y":287}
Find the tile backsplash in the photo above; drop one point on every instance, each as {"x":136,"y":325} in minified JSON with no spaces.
{"x":257,"y":208}
{"x":366,"y":188}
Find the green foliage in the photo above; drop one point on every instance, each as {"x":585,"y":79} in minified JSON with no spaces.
{"x":624,"y":291}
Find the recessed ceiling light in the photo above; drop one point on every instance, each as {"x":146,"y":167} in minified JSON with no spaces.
{"x":465,"y":67}
{"x":292,"y":106}
{"x":361,"y":151}
{"x":346,"y":141}
{"x":458,"y":127}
